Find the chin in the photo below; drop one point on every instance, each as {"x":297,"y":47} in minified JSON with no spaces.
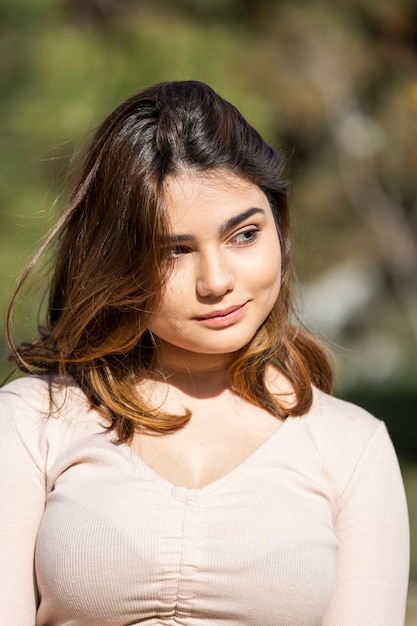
{"x":222,"y":349}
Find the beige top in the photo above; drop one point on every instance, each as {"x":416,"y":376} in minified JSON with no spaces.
{"x":310,"y":530}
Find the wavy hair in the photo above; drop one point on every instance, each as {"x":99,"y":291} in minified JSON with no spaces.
{"x":109,"y":265}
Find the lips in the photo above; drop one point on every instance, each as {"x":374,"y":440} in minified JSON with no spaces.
{"x":220,"y":313}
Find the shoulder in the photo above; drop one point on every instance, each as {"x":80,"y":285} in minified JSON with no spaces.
{"x":42,"y":412}
{"x":24,"y":404}
{"x":26,"y":391}
{"x":337,"y":418}
{"x":40,"y":397}
{"x":330,"y":421}
{"x":343,"y":434}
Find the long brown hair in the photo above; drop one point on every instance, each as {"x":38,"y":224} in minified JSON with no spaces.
{"x":109,"y":265}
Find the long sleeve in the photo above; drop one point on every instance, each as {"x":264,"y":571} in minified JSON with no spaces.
{"x":22,"y":501}
{"x":316,"y":514}
{"x":372,"y":528}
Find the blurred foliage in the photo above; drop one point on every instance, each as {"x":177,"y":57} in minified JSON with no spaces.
{"x":66,"y":63}
{"x":332,"y":83}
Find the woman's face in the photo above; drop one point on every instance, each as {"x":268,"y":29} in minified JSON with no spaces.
{"x":226,"y":266}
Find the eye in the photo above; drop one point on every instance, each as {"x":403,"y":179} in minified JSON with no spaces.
{"x":177,"y":251}
{"x":245,"y":237}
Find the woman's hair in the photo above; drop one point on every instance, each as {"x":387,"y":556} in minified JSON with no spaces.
{"x":110,"y":266}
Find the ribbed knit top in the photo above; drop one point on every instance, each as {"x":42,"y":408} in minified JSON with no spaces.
{"x":310,"y":530}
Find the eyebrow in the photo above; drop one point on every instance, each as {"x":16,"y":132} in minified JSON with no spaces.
{"x":229,"y":224}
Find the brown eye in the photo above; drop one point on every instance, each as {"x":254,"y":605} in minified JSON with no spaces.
{"x":177,"y":251}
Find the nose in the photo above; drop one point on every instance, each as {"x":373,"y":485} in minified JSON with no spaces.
{"x":215,"y":275}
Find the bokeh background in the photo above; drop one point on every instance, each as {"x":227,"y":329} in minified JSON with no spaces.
{"x":331,"y":83}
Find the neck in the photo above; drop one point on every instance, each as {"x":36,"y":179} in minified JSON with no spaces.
{"x":198,"y":375}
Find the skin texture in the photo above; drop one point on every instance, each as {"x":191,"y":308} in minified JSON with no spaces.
{"x":219,"y":266}
{"x":226,"y":259}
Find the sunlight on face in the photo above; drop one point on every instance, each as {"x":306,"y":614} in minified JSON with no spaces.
{"x":227,"y":267}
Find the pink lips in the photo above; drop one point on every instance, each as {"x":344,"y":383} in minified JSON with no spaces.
{"x":224,"y":317}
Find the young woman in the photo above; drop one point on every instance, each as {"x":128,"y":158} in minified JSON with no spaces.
{"x":173,"y":455}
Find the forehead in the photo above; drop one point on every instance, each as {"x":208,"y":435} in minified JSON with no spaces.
{"x":201,"y":198}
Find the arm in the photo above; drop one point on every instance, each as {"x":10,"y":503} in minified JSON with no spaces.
{"x":372,"y":528}
{"x":22,"y":501}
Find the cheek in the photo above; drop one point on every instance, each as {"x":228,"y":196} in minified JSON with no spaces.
{"x":174,"y":298}
{"x":268,"y":269}
{"x":272,"y":284}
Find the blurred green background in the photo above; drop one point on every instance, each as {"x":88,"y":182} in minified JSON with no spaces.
{"x":332,"y":83}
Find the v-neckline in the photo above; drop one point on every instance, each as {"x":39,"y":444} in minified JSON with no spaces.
{"x":215,"y":484}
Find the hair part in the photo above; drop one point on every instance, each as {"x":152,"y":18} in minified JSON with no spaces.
{"x":110,"y":267}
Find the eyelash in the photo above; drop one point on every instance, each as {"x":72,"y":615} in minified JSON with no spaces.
{"x":177,"y":251}
{"x":250,"y":235}
{"x":253,"y":236}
